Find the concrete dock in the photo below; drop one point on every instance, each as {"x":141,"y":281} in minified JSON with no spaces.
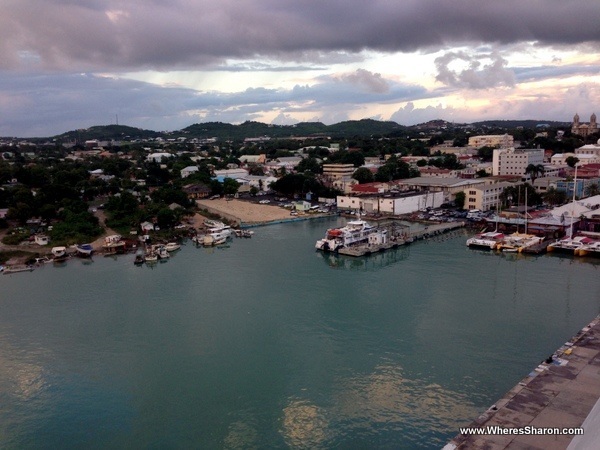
{"x":558,"y":393}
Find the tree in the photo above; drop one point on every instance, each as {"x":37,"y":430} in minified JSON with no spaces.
{"x":230,"y":186}
{"x":309,"y":165}
{"x":571,"y":161}
{"x":592,"y":189}
{"x":534,"y":170}
{"x":486,"y":153}
{"x":363,"y":175}
{"x":554,"y":197}
{"x":459,"y":199}
{"x":253,"y":191}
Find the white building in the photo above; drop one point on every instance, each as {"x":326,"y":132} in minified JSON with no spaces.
{"x":560,"y":159}
{"x":389,"y":204}
{"x":158,"y":157}
{"x":510,"y":161}
{"x":492,"y":140}
{"x":187,"y":171}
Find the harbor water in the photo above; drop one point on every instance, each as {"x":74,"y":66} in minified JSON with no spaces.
{"x":266,"y":343}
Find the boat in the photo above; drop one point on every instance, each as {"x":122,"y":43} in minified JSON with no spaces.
{"x":570,"y":245}
{"x":139,"y":258}
{"x":151,"y":257}
{"x":590,"y":249}
{"x":172,"y":246}
{"x":42,"y":260}
{"x":84,"y":249}
{"x":355,"y":232}
{"x":488,"y":240}
{"x":220,"y":231}
{"x":220,"y":241}
{"x":17,"y":268}
{"x":114,"y":244}
{"x":161,"y":252}
{"x":59,"y":253}
{"x":518,"y":242}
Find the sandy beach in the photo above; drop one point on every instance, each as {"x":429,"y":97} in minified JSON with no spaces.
{"x":246,"y":212}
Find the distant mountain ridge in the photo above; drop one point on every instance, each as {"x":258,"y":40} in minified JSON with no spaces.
{"x":250,"y":129}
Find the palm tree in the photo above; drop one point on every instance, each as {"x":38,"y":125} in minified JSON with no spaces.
{"x":592,"y":189}
{"x":534,"y":171}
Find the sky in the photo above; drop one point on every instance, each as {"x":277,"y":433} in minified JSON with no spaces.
{"x":167,"y":64}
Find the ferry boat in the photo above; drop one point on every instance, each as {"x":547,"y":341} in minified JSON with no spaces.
{"x":355,"y":232}
{"x":489,"y":240}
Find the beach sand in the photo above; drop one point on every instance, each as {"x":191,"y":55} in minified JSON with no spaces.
{"x":247,"y":212}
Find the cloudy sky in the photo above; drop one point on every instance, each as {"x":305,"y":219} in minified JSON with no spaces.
{"x":166,"y":64}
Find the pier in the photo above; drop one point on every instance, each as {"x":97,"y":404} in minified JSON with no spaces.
{"x":560,"y":392}
{"x":398,"y":238}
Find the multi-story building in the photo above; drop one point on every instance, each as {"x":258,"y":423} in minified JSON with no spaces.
{"x":492,"y":140}
{"x":510,"y":161}
{"x":339,"y":176}
{"x":485,"y":196}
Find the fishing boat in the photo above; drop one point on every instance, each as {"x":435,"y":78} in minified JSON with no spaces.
{"x":355,"y":232}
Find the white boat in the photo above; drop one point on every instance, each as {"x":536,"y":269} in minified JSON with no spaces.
{"x":172,"y":246}
{"x":161,"y":252}
{"x":569,"y":245}
{"x":355,"y":232}
{"x":59,"y":253}
{"x":222,"y":231}
{"x":7,"y":270}
{"x":589,"y":249}
{"x":489,"y":240}
{"x":151,"y":257}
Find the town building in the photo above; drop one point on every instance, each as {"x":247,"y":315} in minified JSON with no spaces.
{"x":485,"y":196}
{"x":448,"y":186}
{"x":492,"y":140}
{"x":510,"y":161}
{"x":339,"y":176}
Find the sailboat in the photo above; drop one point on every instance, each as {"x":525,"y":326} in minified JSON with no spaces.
{"x":570,"y":244}
{"x":517,"y":242}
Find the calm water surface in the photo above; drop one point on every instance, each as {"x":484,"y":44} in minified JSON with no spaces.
{"x":268,"y":344}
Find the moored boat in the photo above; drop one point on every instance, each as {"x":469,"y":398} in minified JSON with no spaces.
{"x":84,"y":250}
{"x":355,"y":232}
{"x":569,"y":245}
{"x":589,"y":249}
{"x":59,"y":253}
{"x":172,"y":246}
{"x":488,"y":240}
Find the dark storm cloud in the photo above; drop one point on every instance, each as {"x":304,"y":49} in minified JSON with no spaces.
{"x":165,"y":34}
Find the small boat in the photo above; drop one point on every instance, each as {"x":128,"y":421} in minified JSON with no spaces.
{"x":59,"y":253}
{"x":172,"y":246}
{"x":17,"y":268}
{"x":84,"y":250}
{"x":161,"y":252}
{"x":42,"y":260}
{"x":139,"y":258}
{"x":151,"y":257}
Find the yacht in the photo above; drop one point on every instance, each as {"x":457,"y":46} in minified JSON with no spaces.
{"x":355,"y":232}
{"x":220,"y":231}
{"x":589,"y":249}
{"x":517,"y":242}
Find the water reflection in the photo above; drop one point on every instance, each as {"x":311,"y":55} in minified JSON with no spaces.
{"x":304,"y":425}
{"x":365,"y":263}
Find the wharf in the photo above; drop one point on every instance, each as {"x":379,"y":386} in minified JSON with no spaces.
{"x":398,"y":240}
{"x":536,"y":249}
{"x":558,"y":393}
